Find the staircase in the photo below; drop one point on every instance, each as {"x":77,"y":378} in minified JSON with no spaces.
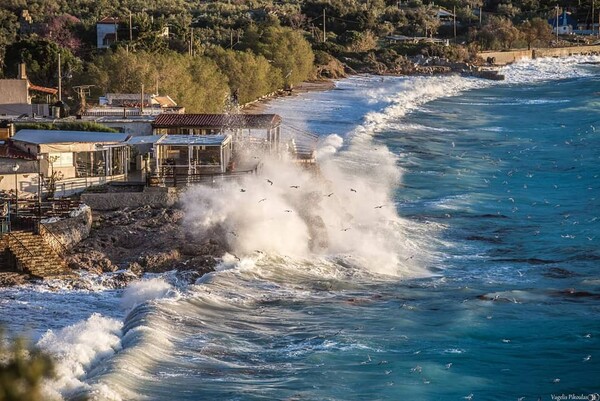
{"x":303,"y":145}
{"x":35,"y":257}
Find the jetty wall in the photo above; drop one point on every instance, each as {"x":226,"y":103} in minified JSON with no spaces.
{"x":507,"y":57}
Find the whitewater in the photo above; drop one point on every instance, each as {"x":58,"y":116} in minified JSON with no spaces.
{"x":447,"y":250}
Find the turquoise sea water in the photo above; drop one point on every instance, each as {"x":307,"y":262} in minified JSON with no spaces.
{"x":489,"y":207}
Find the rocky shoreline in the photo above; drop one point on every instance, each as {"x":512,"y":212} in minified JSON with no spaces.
{"x":123,"y":245}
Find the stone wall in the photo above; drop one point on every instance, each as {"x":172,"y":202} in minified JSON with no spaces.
{"x":502,"y":58}
{"x":566,"y":51}
{"x":154,"y":197}
{"x":68,"y":232}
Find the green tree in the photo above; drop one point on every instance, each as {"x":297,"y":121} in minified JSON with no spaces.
{"x":536,"y":30}
{"x":287,"y":50}
{"x":250,"y":76}
{"x":498,"y":32}
{"x":41,"y":58}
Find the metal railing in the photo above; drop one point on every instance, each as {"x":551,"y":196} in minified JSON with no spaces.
{"x":52,"y":239}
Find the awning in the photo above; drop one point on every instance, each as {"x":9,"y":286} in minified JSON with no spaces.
{"x":194,"y":140}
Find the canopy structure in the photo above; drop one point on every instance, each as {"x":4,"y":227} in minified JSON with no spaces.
{"x":76,"y":154}
{"x":195,"y":153}
{"x":47,"y":141}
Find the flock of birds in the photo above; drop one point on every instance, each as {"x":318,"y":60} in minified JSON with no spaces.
{"x":329,"y":195}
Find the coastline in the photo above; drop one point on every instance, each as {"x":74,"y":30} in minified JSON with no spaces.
{"x":258,"y":106}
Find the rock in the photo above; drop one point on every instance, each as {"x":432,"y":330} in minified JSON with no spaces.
{"x":160,"y":262}
{"x":93,"y":261}
{"x":136,"y":268}
{"x":10,"y":279}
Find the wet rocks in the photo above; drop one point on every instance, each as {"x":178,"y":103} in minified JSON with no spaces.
{"x":9,"y":279}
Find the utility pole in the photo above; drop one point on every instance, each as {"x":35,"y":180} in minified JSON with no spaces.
{"x":130,"y":28}
{"x":593,"y":30}
{"x":454,"y":18}
{"x":230,"y":39}
{"x":59,"y":79}
{"x":480,"y":15}
{"x":557,"y":24}
{"x":142,"y":102}
{"x":324,"y":29}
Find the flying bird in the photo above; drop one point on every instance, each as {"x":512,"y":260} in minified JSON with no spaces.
{"x":269,"y":181}
{"x":352,"y":190}
{"x":345,"y":229}
{"x":242,"y":190}
{"x":287,"y":211}
{"x":329,"y":195}
{"x":295,"y":186}
{"x":262,"y":200}
{"x":233,"y":233}
{"x":379,"y":207}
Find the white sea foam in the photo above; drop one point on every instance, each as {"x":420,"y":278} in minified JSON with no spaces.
{"x":141,"y":291}
{"x":78,"y":347}
{"x":348,"y":210}
{"x":548,"y":69}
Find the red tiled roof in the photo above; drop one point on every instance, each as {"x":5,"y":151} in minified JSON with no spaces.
{"x":51,"y":91}
{"x":109,"y":20}
{"x":265,"y":121}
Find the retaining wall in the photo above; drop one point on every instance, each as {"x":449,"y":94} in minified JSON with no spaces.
{"x":154,"y":197}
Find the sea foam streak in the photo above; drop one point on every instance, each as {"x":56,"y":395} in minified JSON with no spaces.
{"x":80,"y":347}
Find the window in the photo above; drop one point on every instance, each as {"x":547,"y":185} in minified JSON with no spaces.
{"x":61,"y":159}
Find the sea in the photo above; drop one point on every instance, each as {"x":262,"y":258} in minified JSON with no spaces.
{"x":448,"y":248}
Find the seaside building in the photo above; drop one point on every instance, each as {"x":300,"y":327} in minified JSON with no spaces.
{"x":73,"y":160}
{"x":258,"y":128}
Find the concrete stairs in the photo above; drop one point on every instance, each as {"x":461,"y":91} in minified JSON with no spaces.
{"x":34,"y":256}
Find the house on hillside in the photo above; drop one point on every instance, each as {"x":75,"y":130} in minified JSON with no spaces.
{"x":106,"y":32}
{"x":16,"y":94}
{"x":565,"y":23}
{"x":76,"y":159}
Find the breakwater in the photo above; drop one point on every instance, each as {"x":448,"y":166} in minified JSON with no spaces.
{"x":507,"y":57}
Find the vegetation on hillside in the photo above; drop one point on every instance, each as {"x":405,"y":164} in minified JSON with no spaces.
{"x":204,"y":53}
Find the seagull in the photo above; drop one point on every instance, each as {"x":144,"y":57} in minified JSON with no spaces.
{"x":352,"y":190}
{"x":345,"y":229}
{"x":449,"y":365}
{"x":520,"y":398}
{"x":295,"y":186}
{"x":417,"y":369}
{"x":262,"y":200}
{"x":242,"y":190}
{"x":588,"y":335}
{"x":379,"y":207}
{"x":269,"y":181}
{"x":329,"y":195}
{"x":587,"y":358}
{"x":233,"y":233}
{"x":287,"y":211}
{"x":235,"y":256}
{"x":557,"y":380}
{"x":469,"y":397}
